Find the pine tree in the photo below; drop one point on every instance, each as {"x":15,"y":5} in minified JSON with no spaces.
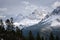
{"x":11,"y":23}
{"x":23,"y":38}
{"x":38,"y":36}
{"x":2,"y":29}
{"x":57,"y":38}
{"x":9,"y":30}
{"x":51,"y":36}
{"x":1,"y":25}
{"x":31,"y":36}
{"x":46,"y":38}
{"x":18,"y":33}
{"x":42,"y":38}
{"x":8,"y":24}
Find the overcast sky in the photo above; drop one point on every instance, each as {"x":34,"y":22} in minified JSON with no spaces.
{"x":25,"y":7}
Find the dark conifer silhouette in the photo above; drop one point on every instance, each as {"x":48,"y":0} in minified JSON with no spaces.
{"x":42,"y":38}
{"x":31,"y":36}
{"x":38,"y":36}
{"x":57,"y":38}
{"x":51,"y":36}
{"x":14,"y":33}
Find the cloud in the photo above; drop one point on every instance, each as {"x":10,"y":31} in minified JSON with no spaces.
{"x":3,"y":12}
{"x":25,"y":2}
{"x":3,"y":9}
{"x":29,"y":7}
{"x":56,"y":4}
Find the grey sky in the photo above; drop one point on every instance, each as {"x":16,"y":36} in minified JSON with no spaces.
{"x":25,"y":7}
{"x":10,"y":3}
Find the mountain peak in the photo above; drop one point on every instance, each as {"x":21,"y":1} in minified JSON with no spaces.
{"x":56,"y":11}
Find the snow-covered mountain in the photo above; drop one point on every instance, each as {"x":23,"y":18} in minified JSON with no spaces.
{"x":35,"y":17}
{"x":36,"y":14}
{"x":51,"y":22}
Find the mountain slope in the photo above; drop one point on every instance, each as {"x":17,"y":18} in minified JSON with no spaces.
{"x":46,"y":25}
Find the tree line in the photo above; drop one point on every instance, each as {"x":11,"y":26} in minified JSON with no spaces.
{"x":14,"y":33}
